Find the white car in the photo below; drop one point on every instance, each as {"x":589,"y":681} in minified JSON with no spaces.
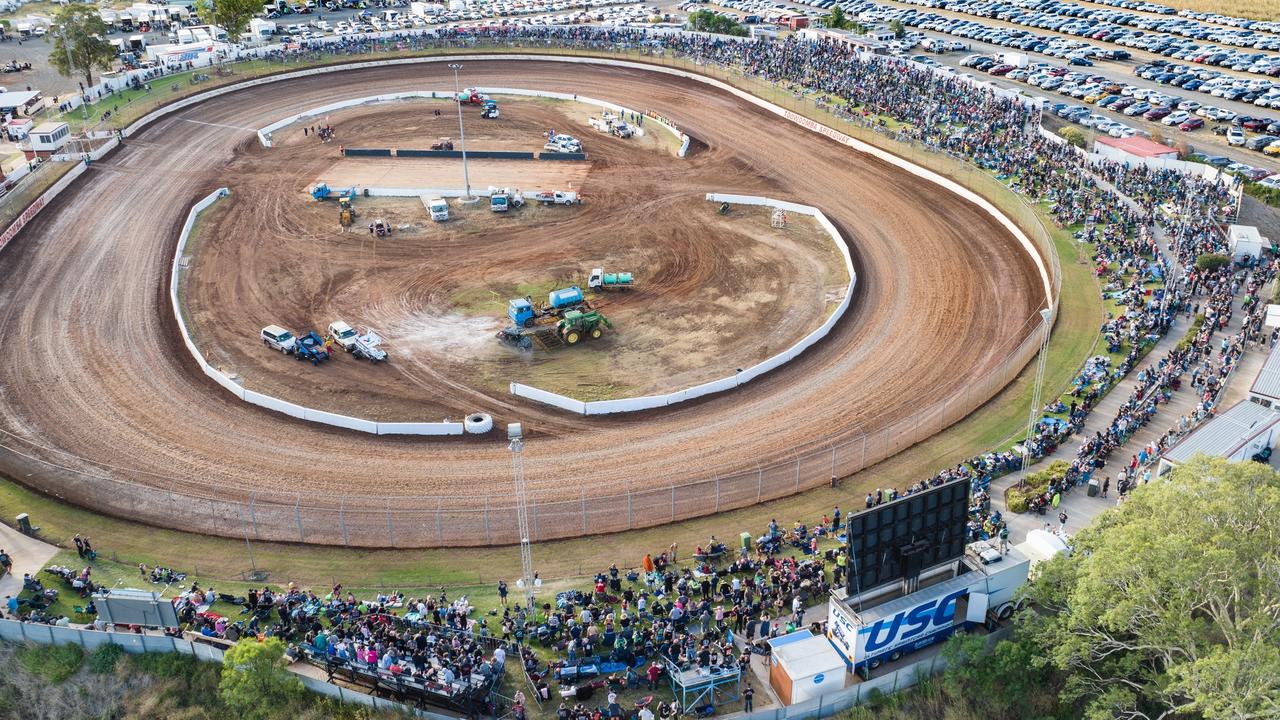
{"x":343,"y":334}
{"x":1271,"y":181}
{"x":1235,"y":136}
{"x":277,"y":338}
{"x":1176,"y":118}
{"x":1120,"y":130}
{"x":1189,"y":106}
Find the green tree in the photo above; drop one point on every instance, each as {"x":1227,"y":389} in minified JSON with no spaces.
{"x":1073,"y":136}
{"x":1210,"y":262}
{"x":232,"y":16}
{"x":1168,"y":605}
{"x":80,"y":42}
{"x":898,"y":30}
{"x":714,"y":22}
{"x":837,"y":19}
{"x":255,"y":680}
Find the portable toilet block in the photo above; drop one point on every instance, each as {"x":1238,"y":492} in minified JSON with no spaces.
{"x":804,"y":666}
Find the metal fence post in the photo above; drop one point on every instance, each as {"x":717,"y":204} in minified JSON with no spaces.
{"x":630,"y":520}
{"x":759,"y":483}
{"x":342,"y":521}
{"x":439,"y":524}
{"x":253,"y":515}
{"x":485,"y":519}
{"x":797,"y":473}
{"x":297,"y":515}
{"x":584,"y":513}
{"x":391,"y":531}
{"x":673,"y":502}
{"x":863,"y":463}
{"x":833,"y":465}
{"x":717,"y":492}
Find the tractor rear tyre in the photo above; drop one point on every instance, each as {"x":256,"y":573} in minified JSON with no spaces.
{"x":528,"y":322}
{"x":596,"y":333}
{"x":572,"y":337}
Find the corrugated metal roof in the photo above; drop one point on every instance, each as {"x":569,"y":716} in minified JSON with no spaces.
{"x":1268,"y":382}
{"x":1226,"y":433}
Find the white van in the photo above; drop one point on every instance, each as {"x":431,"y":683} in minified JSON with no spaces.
{"x":277,"y":338}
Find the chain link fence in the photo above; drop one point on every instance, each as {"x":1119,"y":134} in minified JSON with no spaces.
{"x":436,"y":521}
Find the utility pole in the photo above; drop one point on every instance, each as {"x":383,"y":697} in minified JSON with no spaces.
{"x":1036,"y":389}
{"x":462,"y":138}
{"x":515,"y":435}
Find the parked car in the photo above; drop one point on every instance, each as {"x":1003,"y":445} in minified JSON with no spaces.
{"x":277,"y":338}
{"x":1190,"y":124}
{"x":1137,"y":109}
{"x":1235,"y":136}
{"x":1260,"y":142}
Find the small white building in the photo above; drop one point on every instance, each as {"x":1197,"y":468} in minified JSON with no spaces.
{"x":48,"y":138}
{"x":1245,"y":241}
{"x":1265,"y":390}
{"x":1238,"y":433}
{"x":804,"y":666}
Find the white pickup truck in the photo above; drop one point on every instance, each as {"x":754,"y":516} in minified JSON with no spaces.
{"x":557,"y":197}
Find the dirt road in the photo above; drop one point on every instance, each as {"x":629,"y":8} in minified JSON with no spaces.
{"x":97,"y":391}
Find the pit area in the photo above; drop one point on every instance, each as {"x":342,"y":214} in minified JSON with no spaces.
{"x":718,"y":289}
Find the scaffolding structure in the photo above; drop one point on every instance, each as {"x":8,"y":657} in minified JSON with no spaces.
{"x":698,"y":687}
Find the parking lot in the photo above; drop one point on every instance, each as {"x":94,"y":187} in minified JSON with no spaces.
{"x":1130,"y":69}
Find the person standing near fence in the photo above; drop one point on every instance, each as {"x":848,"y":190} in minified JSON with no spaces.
{"x":748,"y":695}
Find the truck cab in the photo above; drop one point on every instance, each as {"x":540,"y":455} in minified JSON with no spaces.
{"x":439,"y":209}
{"x":342,"y":334}
{"x":520,"y":311}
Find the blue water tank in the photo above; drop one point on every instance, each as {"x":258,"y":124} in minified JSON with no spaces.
{"x":566,"y":297}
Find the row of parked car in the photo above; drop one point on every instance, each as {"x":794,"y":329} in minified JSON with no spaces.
{"x":311,"y":347}
{"x":1259,"y":91}
{"x":1149,"y":104}
{"x":1049,"y":15}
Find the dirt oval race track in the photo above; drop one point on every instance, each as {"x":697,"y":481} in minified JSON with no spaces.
{"x":101,"y":404}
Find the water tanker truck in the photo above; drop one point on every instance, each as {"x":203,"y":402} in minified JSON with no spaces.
{"x":522,"y":312}
{"x":601,"y":280}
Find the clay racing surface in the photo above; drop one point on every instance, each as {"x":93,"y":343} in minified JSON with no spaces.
{"x":96,"y":382}
{"x":716,"y":293}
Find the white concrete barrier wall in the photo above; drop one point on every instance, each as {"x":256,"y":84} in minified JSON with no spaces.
{"x":267,"y":401}
{"x":649,"y":402}
{"x":549,"y":398}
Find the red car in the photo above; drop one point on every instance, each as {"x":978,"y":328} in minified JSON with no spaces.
{"x":1002,"y":69}
{"x":1194,"y":123}
{"x":1156,"y":113}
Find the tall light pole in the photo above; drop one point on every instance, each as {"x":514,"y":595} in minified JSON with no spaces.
{"x":515,"y":435}
{"x":1045,"y":316}
{"x":462,"y":137}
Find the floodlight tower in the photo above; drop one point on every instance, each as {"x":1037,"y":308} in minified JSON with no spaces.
{"x":1045,"y":316}
{"x":516,"y":445}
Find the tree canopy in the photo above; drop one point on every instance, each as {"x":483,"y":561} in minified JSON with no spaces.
{"x":80,"y":42}
{"x":1170,"y":603}
{"x":232,"y":16}
{"x":254,"y":678}
{"x":713,"y":22}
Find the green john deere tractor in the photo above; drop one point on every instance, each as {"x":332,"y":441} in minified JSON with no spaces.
{"x":578,"y":323}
